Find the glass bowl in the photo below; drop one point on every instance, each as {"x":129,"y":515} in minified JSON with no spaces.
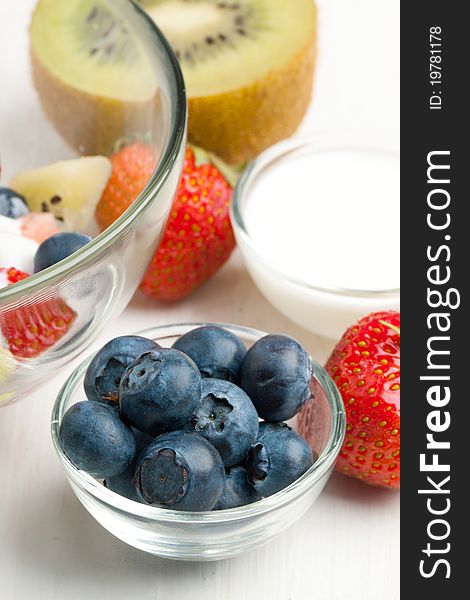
{"x":97,"y":282}
{"x":322,"y":307}
{"x":218,"y":534}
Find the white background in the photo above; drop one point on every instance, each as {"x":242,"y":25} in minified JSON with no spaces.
{"x":346,"y":547}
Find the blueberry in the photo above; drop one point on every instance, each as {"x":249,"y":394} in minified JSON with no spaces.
{"x":276,"y":374}
{"x":12,"y":205}
{"x":159,"y":391}
{"x":142,"y":440}
{"x":104,"y":373}
{"x":277,"y":458}
{"x":237,"y":491}
{"x":217,"y":352}
{"x":94,"y":439}
{"x":123,"y":483}
{"x":180,"y":470}
{"x":58,"y":247}
{"x":227,"y":418}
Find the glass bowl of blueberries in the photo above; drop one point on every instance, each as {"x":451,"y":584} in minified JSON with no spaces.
{"x":96,"y":107}
{"x":181,"y":440}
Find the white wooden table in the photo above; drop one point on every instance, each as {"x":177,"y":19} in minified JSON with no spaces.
{"x":347,"y":546}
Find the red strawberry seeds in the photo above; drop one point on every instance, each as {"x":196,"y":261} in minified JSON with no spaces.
{"x":198,"y":238}
{"x":29,"y":330}
{"x":365,"y":366}
{"x":132,"y":168}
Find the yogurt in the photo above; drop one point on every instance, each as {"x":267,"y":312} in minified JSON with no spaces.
{"x":17,"y":251}
{"x":8,"y":225}
{"x":323,"y":232}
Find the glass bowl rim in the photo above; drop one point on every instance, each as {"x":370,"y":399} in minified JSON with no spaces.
{"x":319,"y":142}
{"x":158,"y":179}
{"x":153,"y":513}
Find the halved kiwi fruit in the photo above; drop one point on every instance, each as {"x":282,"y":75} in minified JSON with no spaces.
{"x":248,"y":67}
{"x":94,"y":80}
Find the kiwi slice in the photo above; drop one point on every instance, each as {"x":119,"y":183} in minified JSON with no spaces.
{"x":248,"y":67}
{"x":94,"y":80}
{"x":69,"y":189}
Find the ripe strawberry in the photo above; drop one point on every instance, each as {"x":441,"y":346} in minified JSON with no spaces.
{"x":31,"y":329}
{"x":198,"y":238}
{"x":132,"y":168}
{"x":11,"y":275}
{"x":365,"y":365}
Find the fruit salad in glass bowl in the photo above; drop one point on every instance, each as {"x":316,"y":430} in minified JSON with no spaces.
{"x":91,"y":80}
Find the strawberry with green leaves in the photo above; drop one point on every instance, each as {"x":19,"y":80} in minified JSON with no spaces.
{"x":198,"y":238}
{"x":29,"y":330}
{"x":365,"y":366}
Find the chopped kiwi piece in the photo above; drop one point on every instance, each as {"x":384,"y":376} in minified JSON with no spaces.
{"x":68,"y":189}
{"x":94,"y":79}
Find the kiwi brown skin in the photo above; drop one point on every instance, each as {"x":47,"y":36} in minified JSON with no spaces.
{"x":92,"y":124}
{"x":240,"y":124}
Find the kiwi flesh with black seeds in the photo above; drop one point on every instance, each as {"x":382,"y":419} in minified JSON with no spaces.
{"x":94,"y":80}
{"x":248,"y":67}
